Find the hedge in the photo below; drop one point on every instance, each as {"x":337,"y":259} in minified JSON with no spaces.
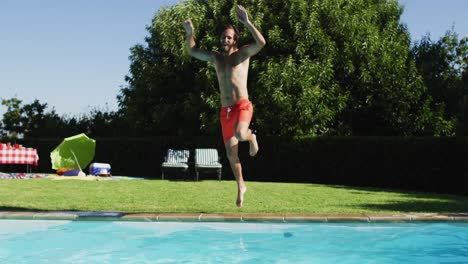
{"x":430,"y":164}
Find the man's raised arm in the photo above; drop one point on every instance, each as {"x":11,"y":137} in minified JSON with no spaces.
{"x":260,"y":42}
{"x":190,"y":41}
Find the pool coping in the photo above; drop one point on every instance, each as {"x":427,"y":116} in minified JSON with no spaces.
{"x":232,"y":217}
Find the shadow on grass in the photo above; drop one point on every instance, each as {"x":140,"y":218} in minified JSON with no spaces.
{"x":19,"y":209}
{"x":453,"y":206}
{"x":408,"y":201}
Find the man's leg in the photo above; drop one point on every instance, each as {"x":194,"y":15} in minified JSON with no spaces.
{"x":243,"y":133}
{"x":232,"y":146}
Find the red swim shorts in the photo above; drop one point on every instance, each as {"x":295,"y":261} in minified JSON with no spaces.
{"x":231,"y":115}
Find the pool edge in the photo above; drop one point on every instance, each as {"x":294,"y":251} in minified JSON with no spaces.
{"x":232,"y":217}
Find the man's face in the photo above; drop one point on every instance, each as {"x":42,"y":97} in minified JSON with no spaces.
{"x":227,"y":39}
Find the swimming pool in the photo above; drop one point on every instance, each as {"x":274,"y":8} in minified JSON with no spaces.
{"x":58,"y":241}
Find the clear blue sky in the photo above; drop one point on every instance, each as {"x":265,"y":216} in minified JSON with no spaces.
{"x":73,"y":55}
{"x":435,"y":17}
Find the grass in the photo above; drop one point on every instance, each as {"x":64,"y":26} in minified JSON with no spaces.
{"x":217,"y":197}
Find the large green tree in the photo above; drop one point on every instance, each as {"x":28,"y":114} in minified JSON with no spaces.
{"x":443,"y":65}
{"x":330,"y":67}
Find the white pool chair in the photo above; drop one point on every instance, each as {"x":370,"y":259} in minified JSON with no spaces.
{"x":175,"y":160}
{"x":207,"y":159}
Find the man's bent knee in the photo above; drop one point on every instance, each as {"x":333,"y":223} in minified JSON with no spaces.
{"x":241,"y":134}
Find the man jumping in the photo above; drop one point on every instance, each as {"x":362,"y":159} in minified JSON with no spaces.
{"x":232,"y":67}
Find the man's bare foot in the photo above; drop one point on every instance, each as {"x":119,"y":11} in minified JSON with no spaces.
{"x":253,"y":146}
{"x":240,"y":196}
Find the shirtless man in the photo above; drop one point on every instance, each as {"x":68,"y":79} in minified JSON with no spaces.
{"x":232,"y":66}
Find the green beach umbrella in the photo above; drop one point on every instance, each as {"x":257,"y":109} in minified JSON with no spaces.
{"x":74,"y":152}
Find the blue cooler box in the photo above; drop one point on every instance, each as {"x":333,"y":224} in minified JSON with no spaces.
{"x":100,"y":169}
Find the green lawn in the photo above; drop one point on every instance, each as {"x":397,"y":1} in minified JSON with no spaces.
{"x":217,"y":197}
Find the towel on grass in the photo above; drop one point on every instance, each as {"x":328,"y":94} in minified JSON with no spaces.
{"x":83,"y":178}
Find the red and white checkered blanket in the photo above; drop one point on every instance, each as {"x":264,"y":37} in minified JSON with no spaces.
{"x":19,"y":156}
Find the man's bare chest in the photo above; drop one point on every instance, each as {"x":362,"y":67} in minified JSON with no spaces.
{"x":229,"y":66}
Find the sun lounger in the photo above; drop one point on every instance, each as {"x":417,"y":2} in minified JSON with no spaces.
{"x":177,"y":160}
{"x":207,"y":159}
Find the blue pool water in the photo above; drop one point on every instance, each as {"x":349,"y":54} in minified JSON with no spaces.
{"x":35,"y":241}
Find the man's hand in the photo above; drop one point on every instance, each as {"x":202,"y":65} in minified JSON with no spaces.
{"x":188,"y":26}
{"x":242,"y":15}
{"x":251,"y":49}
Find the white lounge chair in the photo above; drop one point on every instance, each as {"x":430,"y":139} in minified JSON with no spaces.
{"x":175,"y":159}
{"x":207,"y":159}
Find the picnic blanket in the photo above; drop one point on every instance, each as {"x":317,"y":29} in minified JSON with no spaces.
{"x":58,"y":177}
{"x":93,"y":178}
{"x":22,"y":175}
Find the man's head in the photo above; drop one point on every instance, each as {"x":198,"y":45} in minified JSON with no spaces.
{"x":229,"y":37}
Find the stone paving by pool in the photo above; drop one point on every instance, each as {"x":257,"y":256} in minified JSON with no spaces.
{"x":232,"y":217}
